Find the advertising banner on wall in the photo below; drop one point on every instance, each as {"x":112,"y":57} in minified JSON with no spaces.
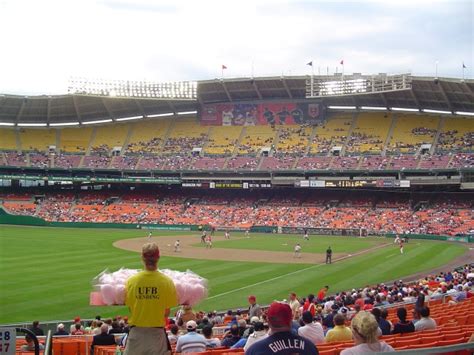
{"x":272,"y":113}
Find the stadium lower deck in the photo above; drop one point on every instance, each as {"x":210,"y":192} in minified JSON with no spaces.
{"x":377,"y":212}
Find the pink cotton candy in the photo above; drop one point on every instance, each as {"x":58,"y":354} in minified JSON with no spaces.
{"x":95,"y":299}
{"x":119,"y":294}
{"x":195,"y":293}
{"x":190,"y":287}
{"x":108,"y":294}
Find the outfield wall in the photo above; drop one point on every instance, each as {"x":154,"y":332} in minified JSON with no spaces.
{"x":6,"y":218}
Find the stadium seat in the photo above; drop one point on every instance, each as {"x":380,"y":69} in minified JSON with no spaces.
{"x":328,"y":351}
{"x":458,"y":340}
{"x":427,"y":340}
{"x":407,"y":342}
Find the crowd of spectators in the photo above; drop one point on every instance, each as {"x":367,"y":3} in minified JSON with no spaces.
{"x":337,"y":212}
{"x":423,"y":131}
{"x":151,"y":146}
{"x":453,"y":141}
{"x":183,"y":144}
{"x":361,"y":315}
{"x":357,"y":141}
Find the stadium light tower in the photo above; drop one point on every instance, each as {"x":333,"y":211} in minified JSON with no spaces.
{"x":356,"y":84}
{"x":181,"y":90}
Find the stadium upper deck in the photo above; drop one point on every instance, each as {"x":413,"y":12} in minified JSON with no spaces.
{"x":445,"y":94}
{"x":233,"y":128}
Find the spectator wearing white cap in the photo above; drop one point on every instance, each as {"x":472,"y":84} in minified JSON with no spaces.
{"x":191,"y":342}
{"x":60,"y":330}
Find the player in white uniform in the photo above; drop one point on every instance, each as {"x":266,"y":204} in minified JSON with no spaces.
{"x":247,"y":233}
{"x":401,"y":247}
{"x":227,"y":235}
{"x":297,"y":251}
{"x":209,"y":242}
{"x":177,"y":246}
{"x":149,"y":235}
{"x":397,"y":240}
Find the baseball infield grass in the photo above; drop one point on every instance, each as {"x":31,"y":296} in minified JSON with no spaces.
{"x":46,"y":273}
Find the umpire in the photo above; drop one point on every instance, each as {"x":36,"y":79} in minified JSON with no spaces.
{"x":328,"y":255}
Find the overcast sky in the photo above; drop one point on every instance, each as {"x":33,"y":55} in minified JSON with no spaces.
{"x":45,"y":42}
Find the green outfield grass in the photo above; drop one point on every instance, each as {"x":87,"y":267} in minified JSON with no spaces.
{"x":46,"y":273}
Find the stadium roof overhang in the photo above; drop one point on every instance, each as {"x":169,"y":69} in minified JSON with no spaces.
{"x":443,"y":94}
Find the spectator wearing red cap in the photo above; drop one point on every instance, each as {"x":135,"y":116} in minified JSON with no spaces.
{"x":149,"y":296}
{"x":281,"y":340}
{"x":254,"y":308}
{"x":73,"y":325}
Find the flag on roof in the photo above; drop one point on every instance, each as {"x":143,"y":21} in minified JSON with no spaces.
{"x":463,"y":65}
{"x":223,"y":66}
{"x":342,"y":62}
{"x":310,"y":63}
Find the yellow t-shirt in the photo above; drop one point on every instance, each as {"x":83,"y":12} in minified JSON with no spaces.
{"x":148,"y":295}
{"x":339,"y":333}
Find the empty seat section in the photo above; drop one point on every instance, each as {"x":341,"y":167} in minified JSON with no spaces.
{"x":147,"y":136}
{"x":255,"y":138}
{"x":410,"y":131}
{"x":109,"y":136}
{"x":222,"y":140}
{"x":334,"y":133}
{"x":8,"y":139}
{"x":37,"y":139}
{"x":75,"y":140}
{"x":369,"y":134}
{"x":186,"y":134}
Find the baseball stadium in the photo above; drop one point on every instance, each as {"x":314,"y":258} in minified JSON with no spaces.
{"x":346,"y":199}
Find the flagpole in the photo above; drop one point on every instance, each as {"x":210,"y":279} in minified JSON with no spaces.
{"x":463,"y":67}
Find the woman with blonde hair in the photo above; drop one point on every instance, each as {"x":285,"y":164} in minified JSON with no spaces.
{"x":365,"y":331}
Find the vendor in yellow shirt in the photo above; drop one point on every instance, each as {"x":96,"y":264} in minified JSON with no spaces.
{"x":149,"y":296}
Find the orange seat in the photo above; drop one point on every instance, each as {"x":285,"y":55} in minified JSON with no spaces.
{"x":407,"y":342}
{"x":470,"y":319}
{"x":427,"y":340}
{"x":425,"y":345}
{"x":328,"y":352}
{"x":458,"y":340}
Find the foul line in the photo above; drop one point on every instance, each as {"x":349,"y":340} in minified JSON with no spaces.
{"x":262,"y":282}
{"x":295,"y":272}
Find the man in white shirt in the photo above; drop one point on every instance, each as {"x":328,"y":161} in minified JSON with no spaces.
{"x":425,"y":322}
{"x":311,"y":330}
{"x":192,"y":341}
{"x":259,"y":333}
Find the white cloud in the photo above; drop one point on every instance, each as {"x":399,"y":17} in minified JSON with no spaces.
{"x":49,"y":41}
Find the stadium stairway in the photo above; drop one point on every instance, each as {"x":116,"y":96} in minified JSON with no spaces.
{"x":91,"y":141}
{"x":126,"y":140}
{"x":239,"y":141}
{"x":441,"y":123}
{"x":389,"y":134}
{"x":349,"y":133}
